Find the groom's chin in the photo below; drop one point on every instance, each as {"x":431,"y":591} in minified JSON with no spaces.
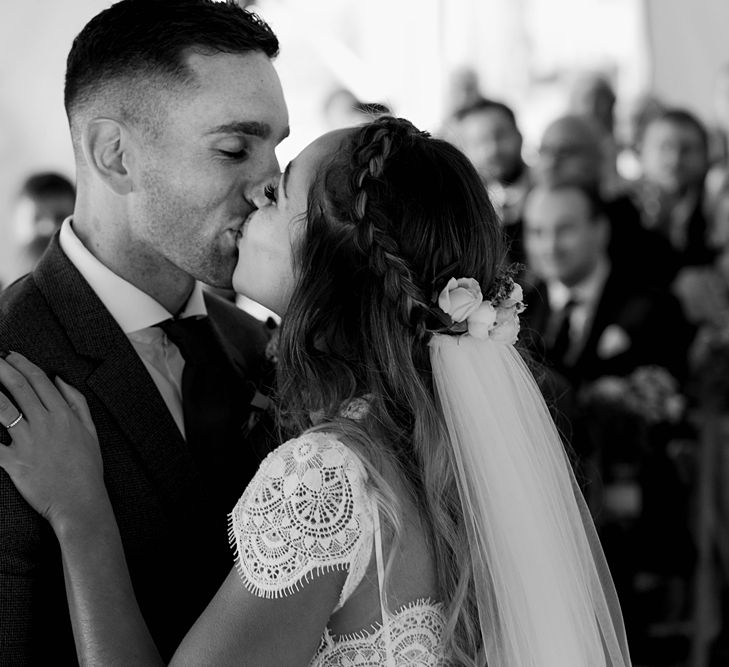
{"x":219,"y":276}
{"x":220,"y":283}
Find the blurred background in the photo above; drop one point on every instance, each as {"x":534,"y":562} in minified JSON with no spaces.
{"x":407,"y":54}
{"x":626,"y":274}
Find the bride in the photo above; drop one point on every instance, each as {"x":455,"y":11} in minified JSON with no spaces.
{"x":423,"y":512}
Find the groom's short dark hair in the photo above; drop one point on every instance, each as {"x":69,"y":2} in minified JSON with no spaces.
{"x":146,"y":41}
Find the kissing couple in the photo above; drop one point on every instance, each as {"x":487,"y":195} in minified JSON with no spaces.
{"x":407,"y":501}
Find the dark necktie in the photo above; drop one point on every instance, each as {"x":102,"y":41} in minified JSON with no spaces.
{"x":561,"y":340}
{"x":216,"y":404}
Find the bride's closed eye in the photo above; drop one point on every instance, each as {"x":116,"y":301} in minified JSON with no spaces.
{"x":270,"y":192}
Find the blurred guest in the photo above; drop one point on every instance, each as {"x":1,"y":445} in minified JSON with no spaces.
{"x":638,"y":112}
{"x":45,"y":200}
{"x":464,"y":89}
{"x":570,"y":153}
{"x":592,"y":96}
{"x":674,"y":155}
{"x":592,"y":317}
{"x":488,"y":134}
{"x":706,"y":288}
{"x":620,"y":342}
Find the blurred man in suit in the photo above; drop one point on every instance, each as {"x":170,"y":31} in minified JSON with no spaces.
{"x":591,"y":320}
{"x":487,"y":132}
{"x":590,"y":317}
{"x":674,"y":158}
{"x":571,"y":152}
{"x":175,"y":112}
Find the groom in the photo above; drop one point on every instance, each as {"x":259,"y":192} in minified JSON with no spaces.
{"x":175,"y":112}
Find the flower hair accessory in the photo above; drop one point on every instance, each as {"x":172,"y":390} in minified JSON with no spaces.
{"x":496,"y":318}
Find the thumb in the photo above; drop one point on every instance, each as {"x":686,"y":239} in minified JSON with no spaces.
{"x":77,"y":403}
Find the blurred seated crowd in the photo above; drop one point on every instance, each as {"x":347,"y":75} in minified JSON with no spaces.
{"x":623,"y":247}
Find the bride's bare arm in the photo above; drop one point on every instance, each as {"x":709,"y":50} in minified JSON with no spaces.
{"x":108,"y":627}
{"x":237,"y":627}
{"x":55,"y":463}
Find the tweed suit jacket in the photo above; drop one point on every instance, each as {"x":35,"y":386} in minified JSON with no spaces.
{"x":172,"y":518}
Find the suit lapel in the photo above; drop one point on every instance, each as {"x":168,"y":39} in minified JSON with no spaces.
{"x":120,"y":380}
{"x":604,"y":315}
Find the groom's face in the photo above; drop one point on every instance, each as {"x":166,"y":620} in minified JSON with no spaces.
{"x":214,"y":149}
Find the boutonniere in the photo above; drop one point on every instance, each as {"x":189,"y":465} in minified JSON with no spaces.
{"x":614,"y":341}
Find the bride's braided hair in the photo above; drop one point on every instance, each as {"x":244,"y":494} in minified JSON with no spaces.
{"x":373,"y":234}
{"x":392,"y":214}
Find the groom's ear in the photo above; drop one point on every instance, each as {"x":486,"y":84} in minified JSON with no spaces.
{"x":106,"y":143}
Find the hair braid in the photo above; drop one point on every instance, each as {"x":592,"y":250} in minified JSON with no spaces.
{"x":378,"y":142}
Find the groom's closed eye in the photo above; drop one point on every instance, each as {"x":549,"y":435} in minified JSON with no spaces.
{"x":235,"y":152}
{"x":235,"y":155}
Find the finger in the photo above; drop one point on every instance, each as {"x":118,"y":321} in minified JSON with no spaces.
{"x":37,"y":378}
{"x":9,"y":416}
{"x":78,"y":403}
{"x":22,"y":393}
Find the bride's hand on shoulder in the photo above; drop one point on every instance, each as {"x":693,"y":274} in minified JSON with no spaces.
{"x":54,"y":459}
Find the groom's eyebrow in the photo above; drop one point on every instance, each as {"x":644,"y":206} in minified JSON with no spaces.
{"x":250,"y":127}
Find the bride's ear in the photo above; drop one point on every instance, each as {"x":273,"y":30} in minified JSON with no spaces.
{"x":107,"y":146}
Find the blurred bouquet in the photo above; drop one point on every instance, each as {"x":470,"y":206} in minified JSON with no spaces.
{"x":650,"y":394}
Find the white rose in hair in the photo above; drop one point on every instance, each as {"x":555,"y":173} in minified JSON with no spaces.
{"x":507,"y":326}
{"x":460,"y":298}
{"x":482,"y":321}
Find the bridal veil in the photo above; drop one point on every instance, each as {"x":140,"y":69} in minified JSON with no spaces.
{"x":545,"y":595}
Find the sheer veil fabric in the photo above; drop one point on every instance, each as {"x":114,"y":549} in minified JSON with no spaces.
{"x":545,"y":594}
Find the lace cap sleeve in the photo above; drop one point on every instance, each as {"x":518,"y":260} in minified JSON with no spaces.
{"x":305,"y":511}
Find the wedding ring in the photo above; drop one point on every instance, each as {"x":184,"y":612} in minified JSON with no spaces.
{"x":15,"y":421}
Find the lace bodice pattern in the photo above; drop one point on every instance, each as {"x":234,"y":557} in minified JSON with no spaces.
{"x":308,"y":510}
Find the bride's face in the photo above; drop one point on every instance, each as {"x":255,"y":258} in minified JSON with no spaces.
{"x":266,"y":248}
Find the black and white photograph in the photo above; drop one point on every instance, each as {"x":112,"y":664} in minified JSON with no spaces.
{"x":338,"y":333}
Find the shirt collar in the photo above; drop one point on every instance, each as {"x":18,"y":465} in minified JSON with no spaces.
{"x":131,"y":308}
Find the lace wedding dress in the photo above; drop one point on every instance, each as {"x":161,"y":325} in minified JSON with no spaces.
{"x":308,"y":510}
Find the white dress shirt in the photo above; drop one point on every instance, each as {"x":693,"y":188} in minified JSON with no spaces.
{"x":137,"y":313}
{"x":586,"y":296}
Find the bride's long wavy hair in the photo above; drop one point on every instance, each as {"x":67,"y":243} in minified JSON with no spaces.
{"x":391,"y":217}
